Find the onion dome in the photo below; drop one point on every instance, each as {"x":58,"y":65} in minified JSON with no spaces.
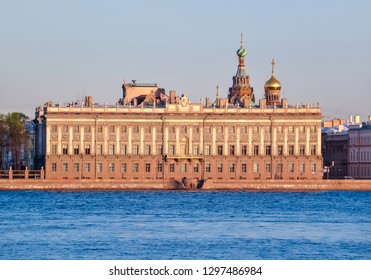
{"x":272,"y":83}
{"x":241,"y":52}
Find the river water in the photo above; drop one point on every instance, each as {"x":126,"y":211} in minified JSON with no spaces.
{"x":185,"y":225}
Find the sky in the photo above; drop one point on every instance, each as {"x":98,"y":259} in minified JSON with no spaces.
{"x":63,"y":50}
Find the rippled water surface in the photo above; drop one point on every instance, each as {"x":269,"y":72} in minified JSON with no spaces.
{"x":185,"y":225}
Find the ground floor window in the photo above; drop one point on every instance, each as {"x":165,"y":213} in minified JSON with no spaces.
{"x":76,"y":167}
{"x":244,"y":167}
{"x":87,"y":167}
{"x":111,"y":167}
{"x":208,"y":167}
{"x":159,"y":167}
{"x":231,"y":167}
{"x":302,"y":167}
{"x":220,"y":167}
{"x":291,"y":167}
{"x":267,"y":167}
{"x":99,"y":167}
{"x":255,"y":167}
{"x":123,"y":167}
{"x":148,"y":167}
{"x":184,"y":167}
{"x":172,"y":167}
{"x":313,"y":167}
{"x":279,"y":168}
{"x":54,"y":167}
{"x":195,"y":168}
{"x":135,"y":167}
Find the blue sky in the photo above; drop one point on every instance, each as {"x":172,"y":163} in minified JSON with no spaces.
{"x":62,"y":50}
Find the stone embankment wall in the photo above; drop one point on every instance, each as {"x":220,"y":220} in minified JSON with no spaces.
{"x":256,"y":185}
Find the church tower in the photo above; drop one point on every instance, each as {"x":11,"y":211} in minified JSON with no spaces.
{"x":272,"y":89}
{"x":241,"y":92}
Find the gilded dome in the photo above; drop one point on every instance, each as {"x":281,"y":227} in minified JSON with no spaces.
{"x":272,"y":83}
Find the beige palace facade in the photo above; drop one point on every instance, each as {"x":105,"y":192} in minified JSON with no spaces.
{"x":149,"y":135}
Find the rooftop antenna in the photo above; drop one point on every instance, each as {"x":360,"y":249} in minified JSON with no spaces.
{"x":273,"y":63}
{"x":241,"y":39}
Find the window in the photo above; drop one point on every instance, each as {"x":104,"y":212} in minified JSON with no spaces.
{"x":99,"y":128}
{"x":184,"y":167}
{"x":148,"y":149}
{"x":196,"y":168}
{"x":135,"y":167}
{"x":313,"y":150}
{"x":135,"y":149}
{"x":172,"y":167}
{"x":279,"y":168}
{"x":231,"y":150}
{"x":219,"y":129}
{"x":279,"y":129}
{"x":111,"y":149}
{"x":291,"y":129}
{"x":124,"y":129}
{"x":123,"y":167}
{"x":111,"y":129}
{"x":208,"y":150}
{"x":87,"y":128}
{"x":302,"y":150}
{"x":280,"y":150}
{"x":302,"y":167}
{"x":87,"y":166}
{"x":87,"y":150}
{"x":123,"y":149}
{"x":255,"y":167}
{"x":256,"y":129}
{"x":76,"y":128}
{"x":148,"y":129}
{"x":54,"y":149}
{"x":159,"y":129}
{"x":99,"y":167}
{"x":76,"y":150}
{"x":196,"y":129}
{"x":313,"y":129}
{"x":76,"y":167}
{"x":208,"y":129}
{"x":231,"y":167}
{"x":291,"y":167}
{"x":243,"y":167}
{"x":172,"y":150}
{"x":244,"y":150}
{"x":65,"y":128}
{"x":136,"y":129}
{"x":208,"y":167}
{"x":220,"y":167}
{"x":100,"y":149}
{"x":195,"y":150}
{"x":268,"y":151}
{"x":256,"y":150}
{"x":183,"y":129}
{"x":220,"y":150}
{"x":159,"y":149}
{"x":148,"y":167}
{"x":54,"y":128}
{"x":291,"y":150}
{"x":111,"y":167}
{"x":267,"y":167}
{"x":160,"y":167}
{"x":244,"y":129}
{"x":313,"y":167}
{"x":232,"y":129}
{"x":54,"y":167}
{"x":268,"y":129}
{"x":302,"y":129}
{"x":65,"y":167}
{"x":65,"y":149}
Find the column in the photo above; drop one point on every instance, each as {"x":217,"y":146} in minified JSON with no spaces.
{"x":48,"y":144}
{"x":177,"y":142}
{"x":319,"y":144}
{"x":285,"y":140}
{"x":105,"y":139}
{"x":59,"y":143}
{"x":238,"y":140}
{"x":261,"y":148}
{"x":226,"y":136}
{"x":274,"y":141}
{"x":118,"y":136}
{"x":92,"y":150}
{"x":82,"y":132}
{"x":214,"y":140}
{"x":70,"y":138}
{"x":166,"y":140}
{"x":130,"y":137}
{"x":201,"y":140}
{"x":141,"y":140}
{"x":307,"y":140}
{"x":296,"y":151}
{"x":154,"y":148}
{"x":249,"y":145}
{"x":190,"y":141}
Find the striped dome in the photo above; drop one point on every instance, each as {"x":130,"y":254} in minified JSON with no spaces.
{"x":241,"y":52}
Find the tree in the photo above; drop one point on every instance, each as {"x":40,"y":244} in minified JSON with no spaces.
{"x":3,"y":139}
{"x":14,"y":136}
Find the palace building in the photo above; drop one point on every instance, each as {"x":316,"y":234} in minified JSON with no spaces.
{"x":148,"y":134}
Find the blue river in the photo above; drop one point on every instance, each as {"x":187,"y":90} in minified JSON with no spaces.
{"x":185,"y":225}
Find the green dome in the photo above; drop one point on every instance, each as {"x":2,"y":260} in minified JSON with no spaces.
{"x":241,"y":52}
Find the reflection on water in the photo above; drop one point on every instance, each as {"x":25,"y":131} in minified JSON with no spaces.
{"x":185,"y":225}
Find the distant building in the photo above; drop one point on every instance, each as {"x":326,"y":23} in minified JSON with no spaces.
{"x":151,"y":135}
{"x":348,"y":146}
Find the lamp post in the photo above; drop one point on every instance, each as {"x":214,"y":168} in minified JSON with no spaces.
{"x":327,"y":169}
